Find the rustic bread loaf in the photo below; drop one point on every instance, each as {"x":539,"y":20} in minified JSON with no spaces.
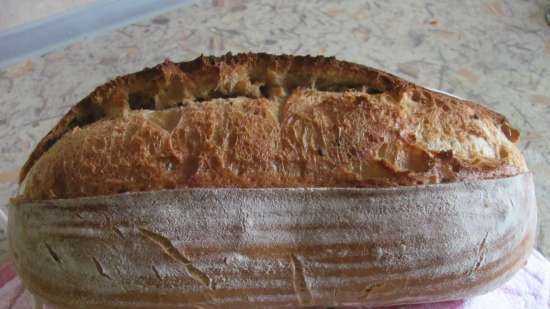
{"x":440,"y":229}
{"x":258,"y":120}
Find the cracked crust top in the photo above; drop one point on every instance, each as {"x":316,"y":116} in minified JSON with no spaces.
{"x":259,"y":120}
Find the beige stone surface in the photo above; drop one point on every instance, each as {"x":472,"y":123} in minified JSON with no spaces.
{"x":493,"y":52}
{"x":17,"y":12}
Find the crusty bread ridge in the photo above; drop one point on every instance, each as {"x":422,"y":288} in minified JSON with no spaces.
{"x":259,"y":120}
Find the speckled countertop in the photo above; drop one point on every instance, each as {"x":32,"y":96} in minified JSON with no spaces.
{"x":493,"y":52}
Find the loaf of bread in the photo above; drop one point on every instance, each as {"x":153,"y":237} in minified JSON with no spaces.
{"x":261,"y":181}
{"x":257,"y":120}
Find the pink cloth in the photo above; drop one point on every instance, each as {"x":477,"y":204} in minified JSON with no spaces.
{"x":528,"y":289}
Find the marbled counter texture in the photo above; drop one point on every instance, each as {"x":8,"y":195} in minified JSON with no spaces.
{"x":493,"y":52}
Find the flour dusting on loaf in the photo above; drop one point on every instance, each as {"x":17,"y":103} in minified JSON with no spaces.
{"x":273,"y":248}
{"x":258,"y":120}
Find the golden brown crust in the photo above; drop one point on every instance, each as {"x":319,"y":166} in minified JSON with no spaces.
{"x":258,"y":120}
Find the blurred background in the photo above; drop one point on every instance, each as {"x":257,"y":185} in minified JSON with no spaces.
{"x":495,"y":52}
{"x":19,"y":12}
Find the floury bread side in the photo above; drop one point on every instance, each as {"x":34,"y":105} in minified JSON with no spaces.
{"x":258,"y":120}
{"x":231,"y":248}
